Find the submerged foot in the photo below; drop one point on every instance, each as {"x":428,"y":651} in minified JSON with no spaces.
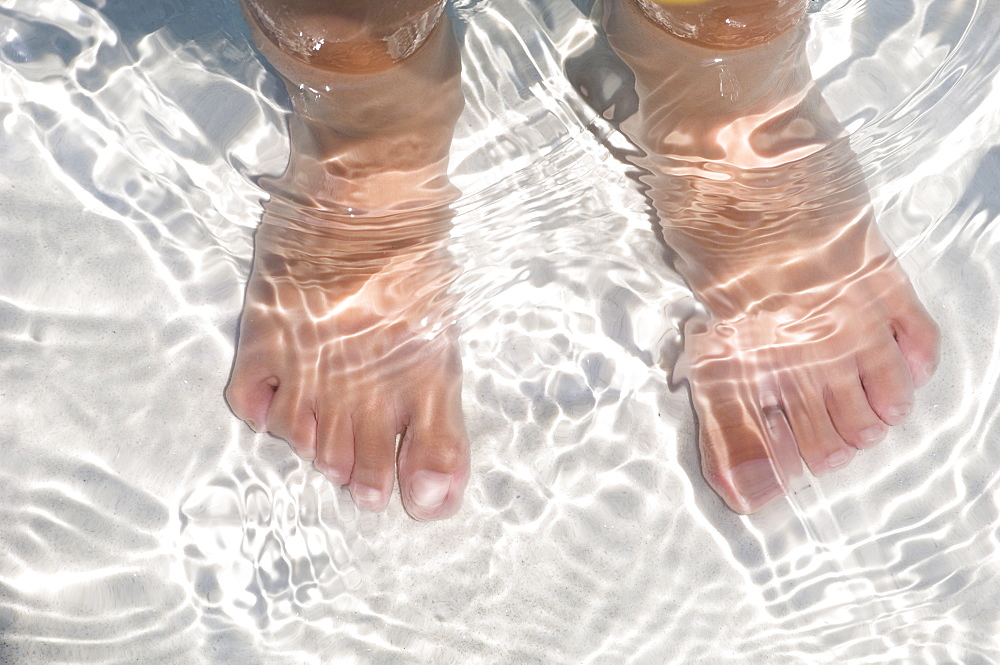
{"x":346,"y":342}
{"x":814,"y":338}
{"x":347,"y":337}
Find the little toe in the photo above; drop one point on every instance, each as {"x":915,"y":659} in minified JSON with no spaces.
{"x":374,"y":458}
{"x":852,"y":415}
{"x":434,"y":469}
{"x":887,"y":382}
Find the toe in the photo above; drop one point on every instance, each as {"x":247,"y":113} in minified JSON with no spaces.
{"x":292,"y":418}
{"x":250,"y":398}
{"x":820,"y":444}
{"x":851,"y":413}
{"x":887,"y":382}
{"x":746,"y":456}
{"x":434,"y":462}
{"x":919,"y":340}
{"x":334,"y":446}
{"x":374,"y":457}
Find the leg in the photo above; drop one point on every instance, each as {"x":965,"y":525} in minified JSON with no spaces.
{"x":347,"y":335}
{"x":815,"y":338}
{"x":348,"y":36}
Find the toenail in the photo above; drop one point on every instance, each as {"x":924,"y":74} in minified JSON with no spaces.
{"x":755,"y":480}
{"x":838,"y":459}
{"x":428,"y":489}
{"x":894,"y":414}
{"x":367,"y":497}
{"x":924,"y":374}
{"x":251,"y":424}
{"x":331,"y":473}
{"x":872,"y":435}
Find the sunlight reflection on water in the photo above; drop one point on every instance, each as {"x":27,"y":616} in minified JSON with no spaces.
{"x":143,"y":523}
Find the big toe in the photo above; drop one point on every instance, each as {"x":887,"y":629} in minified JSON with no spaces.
{"x":434,"y":467}
{"x":746,"y":458}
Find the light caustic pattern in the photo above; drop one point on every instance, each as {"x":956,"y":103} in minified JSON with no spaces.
{"x":348,"y":335}
{"x":142,"y":522}
{"x":813,"y":339}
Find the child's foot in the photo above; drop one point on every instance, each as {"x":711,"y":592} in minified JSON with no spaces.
{"x":812,"y":323}
{"x":347,"y":337}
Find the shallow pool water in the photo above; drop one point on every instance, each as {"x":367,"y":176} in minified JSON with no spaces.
{"x":142,"y":522}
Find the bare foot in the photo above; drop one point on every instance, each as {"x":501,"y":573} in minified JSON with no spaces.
{"x":347,"y":336}
{"x":814,"y":339}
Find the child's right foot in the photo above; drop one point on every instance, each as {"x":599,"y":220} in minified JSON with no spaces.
{"x":347,"y":337}
{"x":815,"y":338}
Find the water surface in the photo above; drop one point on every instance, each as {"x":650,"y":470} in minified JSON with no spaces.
{"x":142,"y":522}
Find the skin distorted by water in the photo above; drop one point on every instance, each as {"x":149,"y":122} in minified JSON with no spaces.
{"x":725,"y":24}
{"x":348,"y":36}
{"x":814,"y":338}
{"x":347,"y":336}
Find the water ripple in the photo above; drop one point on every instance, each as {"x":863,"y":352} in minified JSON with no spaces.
{"x":139,"y":522}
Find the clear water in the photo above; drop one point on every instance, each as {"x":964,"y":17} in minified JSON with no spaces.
{"x":142,"y":522}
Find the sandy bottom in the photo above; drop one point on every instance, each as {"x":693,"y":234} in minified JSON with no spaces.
{"x":140,"y":522}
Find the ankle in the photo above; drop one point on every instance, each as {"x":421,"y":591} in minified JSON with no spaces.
{"x":372,"y":141}
{"x":346,"y":36}
{"x":709,"y":89}
{"x":725,"y":24}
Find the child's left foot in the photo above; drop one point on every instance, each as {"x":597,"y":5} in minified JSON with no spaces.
{"x":815,"y":338}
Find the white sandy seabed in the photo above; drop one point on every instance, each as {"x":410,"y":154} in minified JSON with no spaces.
{"x":141,"y":522}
